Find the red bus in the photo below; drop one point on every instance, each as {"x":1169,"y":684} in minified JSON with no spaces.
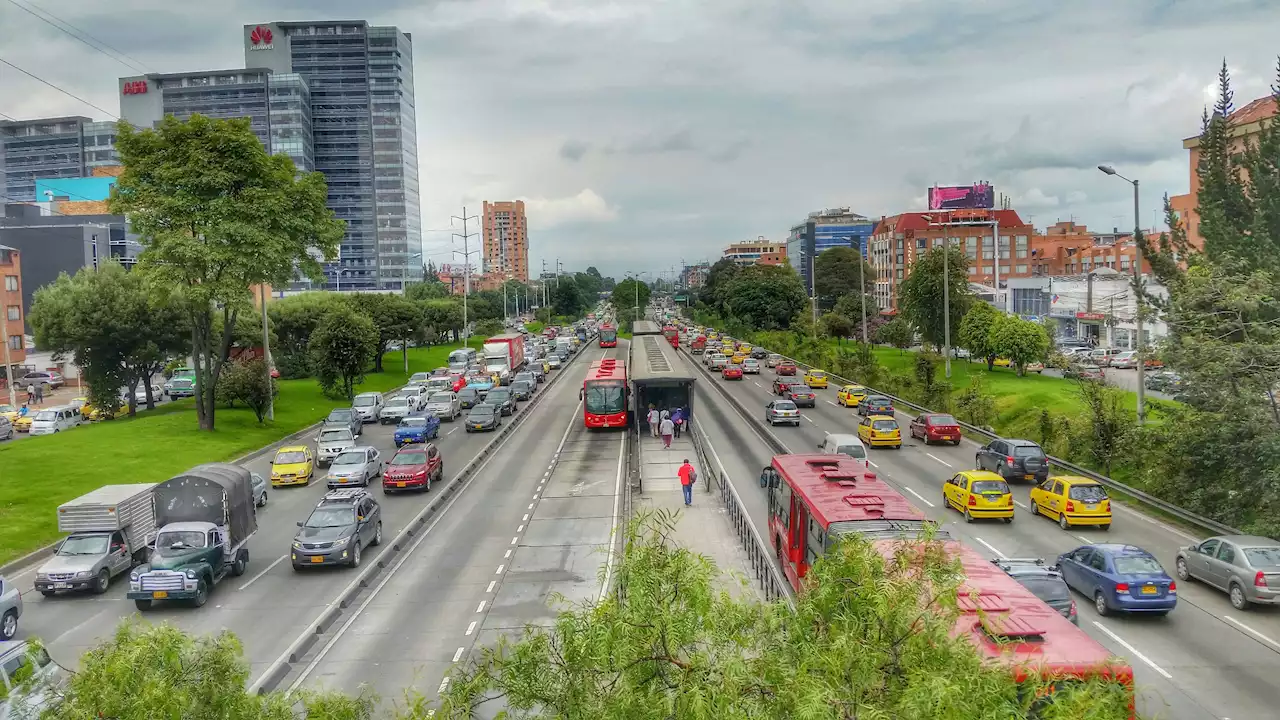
{"x":608,"y":336}
{"x":816,"y":499}
{"x":604,"y":394}
{"x":672,"y":335}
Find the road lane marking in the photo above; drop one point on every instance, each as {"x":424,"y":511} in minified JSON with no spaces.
{"x":472,"y":627}
{"x":833,"y":404}
{"x":266,"y":570}
{"x":1132,"y":649}
{"x":1019,"y":504}
{"x":500,"y":569}
{"x":507,"y":554}
{"x":757,"y":384}
{"x":492,"y":583}
{"x":873,"y":464}
{"x":525,"y":518}
{"x":530,"y":506}
{"x":452,"y":431}
{"x":1084,"y":540}
{"x":444,"y":685}
{"x":617,"y":509}
{"x":990,"y":547}
{"x":935,"y":457}
{"x":515,"y":540}
{"x":457,"y":655}
{"x":1251,"y":631}
{"x":520,"y":529}
{"x":480,"y":607}
{"x":918,"y":495}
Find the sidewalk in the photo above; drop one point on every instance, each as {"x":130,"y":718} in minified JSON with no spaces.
{"x":702,"y":528}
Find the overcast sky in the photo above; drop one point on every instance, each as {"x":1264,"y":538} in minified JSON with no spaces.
{"x":644,"y":132}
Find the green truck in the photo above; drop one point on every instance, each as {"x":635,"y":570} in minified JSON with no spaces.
{"x":205,"y":518}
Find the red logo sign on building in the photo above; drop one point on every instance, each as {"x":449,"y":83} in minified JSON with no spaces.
{"x":135,"y":87}
{"x":261,"y":38}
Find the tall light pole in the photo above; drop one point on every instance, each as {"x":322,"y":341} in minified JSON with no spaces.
{"x":466,"y":266}
{"x":1137,"y":292}
{"x":266,"y":349}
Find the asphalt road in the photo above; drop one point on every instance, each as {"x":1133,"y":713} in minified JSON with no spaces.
{"x":1204,"y":660}
{"x":271,"y":604}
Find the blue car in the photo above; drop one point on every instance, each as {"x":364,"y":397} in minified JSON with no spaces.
{"x":1119,"y":578}
{"x":416,"y":428}
{"x":482,"y":383}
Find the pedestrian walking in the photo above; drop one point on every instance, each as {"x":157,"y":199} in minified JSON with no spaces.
{"x":677,"y":418}
{"x":653,"y":421}
{"x":668,"y":429}
{"x":40,"y":394}
{"x":688,"y":476}
{"x":31,"y":394}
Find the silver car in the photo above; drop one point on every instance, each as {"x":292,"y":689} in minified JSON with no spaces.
{"x":782,"y":411}
{"x":717,"y":362}
{"x":553,"y":361}
{"x":751,"y":366}
{"x":332,"y":442}
{"x":344,"y":418}
{"x":445,"y":405}
{"x":360,"y":465}
{"x":1246,"y":567}
{"x":259,"y":490}
{"x":419,"y":378}
{"x":396,"y":409}
{"x":10,"y":608}
{"x":368,"y":406}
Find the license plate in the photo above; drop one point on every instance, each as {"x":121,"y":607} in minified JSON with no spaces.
{"x":479,"y":427}
{"x":159,"y":595}
{"x":397,"y":484}
{"x":1029,"y":477}
{"x":61,"y":586}
{"x":1091,"y":507}
{"x":946,"y":437}
{"x":1149,"y":590}
{"x":317,"y":559}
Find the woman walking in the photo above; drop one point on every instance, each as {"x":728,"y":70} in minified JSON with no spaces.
{"x":653,"y":420}
{"x":668,"y":429}
{"x":677,"y":417}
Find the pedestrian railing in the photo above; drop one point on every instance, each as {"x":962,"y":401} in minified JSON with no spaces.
{"x":760,"y":555}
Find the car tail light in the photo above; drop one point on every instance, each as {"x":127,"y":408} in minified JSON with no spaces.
{"x":1173,"y":587}
{"x":1009,"y":460}
{"x":1260,"y":580}
{"x":973,"y":501}
{"x":1122,"y":587}
{"x":1008,"y":499}
{"x":1072,"y":611}
{"x":1071,"y":507}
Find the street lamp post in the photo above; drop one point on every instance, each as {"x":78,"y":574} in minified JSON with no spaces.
{"x":1137,"y":290}
{"x":946,"y":295}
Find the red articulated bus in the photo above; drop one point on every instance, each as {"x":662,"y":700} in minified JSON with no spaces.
{"x":816,"y":499}
{"x":672,"y":335}
{"x":608,"y":336}
{"x":604,"y":394}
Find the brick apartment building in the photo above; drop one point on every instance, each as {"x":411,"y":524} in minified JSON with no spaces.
{"x":506,"y":240}
{"x":14,"y":351}
{"x":757,"y":252}
{"x":455,"y":279}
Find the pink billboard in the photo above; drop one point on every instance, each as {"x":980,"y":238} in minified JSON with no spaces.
{"x":979,"y":196}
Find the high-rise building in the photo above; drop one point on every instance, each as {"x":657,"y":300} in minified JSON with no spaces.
{"x":364,"y":132}
{"x":506,"y":239}
{"x":823,"y":230}
{"x":61,"y":147}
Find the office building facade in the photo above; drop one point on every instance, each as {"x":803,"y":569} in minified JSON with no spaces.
{"x":823,"y":230}
{"x":363,"y":128}
{"x":506,"y":240}
{"x":756,"y":252}
{"x":62,"y":147}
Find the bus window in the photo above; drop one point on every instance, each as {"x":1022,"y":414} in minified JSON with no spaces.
{"x":813,"y":548}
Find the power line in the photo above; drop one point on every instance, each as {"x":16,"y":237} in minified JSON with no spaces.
{"x":55,"y":87}
{"x":81,"y":35}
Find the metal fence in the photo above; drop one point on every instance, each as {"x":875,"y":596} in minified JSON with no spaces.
{"x":759,"y":554}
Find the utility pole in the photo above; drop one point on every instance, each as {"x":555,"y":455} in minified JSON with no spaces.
{"x":466,"y":266}
{"x":1137,"y":306}
{"x":8,"y":361}
{"x":946,"y":302}
{"x":266,"y":350}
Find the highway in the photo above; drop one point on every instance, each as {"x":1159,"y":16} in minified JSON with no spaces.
{"x":1203,"y":661}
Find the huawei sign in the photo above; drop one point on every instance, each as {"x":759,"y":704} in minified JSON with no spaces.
{"x":260,"y":38}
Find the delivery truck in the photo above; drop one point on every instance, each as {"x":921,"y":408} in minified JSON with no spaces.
{"x":504,"y":356}
{"x":107,"y":534}
{"x":206,"y":516}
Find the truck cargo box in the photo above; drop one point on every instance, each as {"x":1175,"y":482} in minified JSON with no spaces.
{"x":110,"y":508}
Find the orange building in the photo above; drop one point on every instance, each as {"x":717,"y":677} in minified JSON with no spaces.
{"x":506,"y":240}
{"x":14,"y":351}
{"x":757,"y":252}
{"x":1245,"y":123}
{"x":454,"y":278}
{"x":1068,"y":248}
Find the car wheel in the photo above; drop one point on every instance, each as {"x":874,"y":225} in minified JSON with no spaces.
{"x":1238,"y":600}
{"x":1100,"y":604}
{"x":1035,"y":508}
{"x":955,"y":442}
{"x":377,"y":535}
{"x":202,"y":594}
{"x":1008,"y":520}
{"x":355,"y":552}
{"x":264,"y":495}
{"x":48,"y":593}
{"x":977,"y":462}
{"x":968,"y":516}
{"x":142,"y":605}
{"x":1062,"y":521}
{"x":1105,"y":527}
{"x":1180,"y":567}
{"x":241,"y":564}
{"x":102,"y":582}
{"x":9,"y":625}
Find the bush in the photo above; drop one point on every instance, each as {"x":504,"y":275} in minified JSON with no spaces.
{"x":247,"y":382}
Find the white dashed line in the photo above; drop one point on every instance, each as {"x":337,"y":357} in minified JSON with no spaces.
{"x":1084,"y":540}
{"x":480,"y":607}
{"x":535,"y":496}
{"x":944,"y":462}
{"x":457,"y":655}
{"x":254,"y":579}
{"x":444,"y":685}
{"x":1019,"y":504}
{"x":1133,"y":650}
{"x":507,"y":554}
{"x":806,"y":418}
{"x":525,"y":518}
{"x":515,"y":540}
{"x":531,"y":504}
{"x":451,"y":431}
{"x":492,"y":583}
{"x":1250,"y":630}
{"x":918,"y":496}
{"x":472,"y":627}
{"x":990,"y":547}
{"x":500,"y":569}
{"x":833,"y":404}
{"x":873,"y":464}
{"x":757,"y":384}
{"x":520,"y":529}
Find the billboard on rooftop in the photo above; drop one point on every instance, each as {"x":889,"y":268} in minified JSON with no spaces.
{"x":978,"y":196}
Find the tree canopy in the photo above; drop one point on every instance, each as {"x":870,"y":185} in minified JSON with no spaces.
{"x":765,"y":296}
{"x":842,"y":271}
{"x":1021,"y":341}
{"x":920,"y":294}
{"x":567,"y":298}
{"x":629,"y":293}
{"x":975,"y":332}
{"x":396,"y":319}
{"x":342,"y":350}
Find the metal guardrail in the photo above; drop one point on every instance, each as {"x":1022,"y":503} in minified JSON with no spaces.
{"x":759,"y":555}
{"x":1187,"y":516}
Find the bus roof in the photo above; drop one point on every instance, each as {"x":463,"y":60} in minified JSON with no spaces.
{"x":845,"y":496}
{"x":653,"y":359}
{"x":606,"y":370}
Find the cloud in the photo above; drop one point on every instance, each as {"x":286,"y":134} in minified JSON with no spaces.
{"x":573,"y":150}
{"x":585,"y":207}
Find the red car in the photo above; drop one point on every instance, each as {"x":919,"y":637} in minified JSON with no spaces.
{"x":731,"y":372}
{"x":785,"y":368}
{"x":780,"y":386}
{"x":459,"y":382}
{"x":801,"y":395}
{"x":936,"y":427}
{"x":413,"y":467}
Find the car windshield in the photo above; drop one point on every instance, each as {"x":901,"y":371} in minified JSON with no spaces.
{"x":418,"y":377}
{"x":340,"y":416}
{"x":413,"y":422}
{"x":46,"y":415}
{"x":467,"y":394}
{"x":884,"y":425}
{"x":941,"y":420}
{"x":1087,"y":493}
{"x":784,"y":406}
{"x":331,"y":517}
{"x":853,"y":451}
{"x":180,"y":382}
{"x":409,"y":458}
{"x":817,"y":373}
{"x":524,"y":377}
{"x":877,"y":401}
{"x":398,"y":401}
{"x":442,"y":398}
{"x":1263,"y":556}
{"x":364,"y":400}
{"x":1028,"y":451}
{"x":1137,"y":565}
{"x":86,"y":545}
{"x":290,"y":457}
{"x":438,"y":383}
{"x":335,"y":436}
{"x":1048,"y":589}
{"x":519,"y":385}
{"x":499,"y":394}
{"x":350,"y":458}
{"x":991,"y":487}
{"x":480,"y":411}
{"x":179,"y":540}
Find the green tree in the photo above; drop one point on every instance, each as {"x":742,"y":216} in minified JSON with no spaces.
{"x":430,"y":289}
{"x":920,"y":295}
{"x":897,"y":333}
{"x":247,"y":382}
{"x":489,"y":328}
{"x":396,"y":319}
{"x":976,"y":332}
{"x":1021,"y":341}
{"x":590,"y":284}
{"x":627,"y":294}
{"x":567,"y":298}
{"x":837,"y":326}
{"x":293,"y":319}
{"x":714,"y":291}
{"x":342,"y":350}
{"x":442,"y":317}
{"x":765,"y":297}
{"x":218,"y":215}
{"x":117,"y":332}
{"x":975,"y":405}
{"x":842,"y":271}
{"x":1110,"y":422}
{"x":854,"y":305}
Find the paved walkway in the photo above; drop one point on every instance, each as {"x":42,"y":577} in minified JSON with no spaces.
{"x":702,"y":528}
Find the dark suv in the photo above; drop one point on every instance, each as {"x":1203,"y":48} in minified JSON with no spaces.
{"x":1014,"y":460}
{"x":1044,"y":581}
{"x":340,"y":526}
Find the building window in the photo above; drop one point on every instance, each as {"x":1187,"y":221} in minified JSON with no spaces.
{"x":15,"y":312}
{"x":973,"y":270}
{"x":15,"y":342}
{"x":986,"y":269}
{"x":11,"y":283}
{"x":1021,"y":269}
{"x":899,"y":274}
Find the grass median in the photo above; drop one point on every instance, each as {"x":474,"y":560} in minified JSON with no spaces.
{"x":39,"y":474}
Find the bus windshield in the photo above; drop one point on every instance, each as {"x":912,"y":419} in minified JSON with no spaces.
{"x":602,"y":398}
{"x":608,"y":335}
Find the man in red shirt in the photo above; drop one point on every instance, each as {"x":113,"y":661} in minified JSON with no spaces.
{"x":688,"y":476}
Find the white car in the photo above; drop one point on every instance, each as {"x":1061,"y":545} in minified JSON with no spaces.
{"x":332,"y":442}
{"x":368,"y":406}
{"x":445,"y":405}
{"x":397,"y":408}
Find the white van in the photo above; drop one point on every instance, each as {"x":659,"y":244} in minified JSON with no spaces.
{"x":842,"y":444}
{"x":55,"y":419}
{"x":461,"y":358}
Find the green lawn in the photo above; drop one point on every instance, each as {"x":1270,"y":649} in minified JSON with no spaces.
{"x":38,"y":474}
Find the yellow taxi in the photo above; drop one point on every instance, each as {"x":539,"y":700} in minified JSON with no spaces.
{"x":1072,"y":500}
{"x":851,"y":395}
{"x":23,"y":423}
{"x":738,"y":357}
{"x":745,"y":349}
{"x":1002,"y":362}
{"x":816,"y":379}
{"x":292,"y":465}
{"x":713,"y":335}
{"x":9,"y":412}
{"x":880,"y":431}
{"x":979,"y":494}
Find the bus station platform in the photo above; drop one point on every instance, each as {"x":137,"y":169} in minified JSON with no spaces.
{"x":703,"y":528}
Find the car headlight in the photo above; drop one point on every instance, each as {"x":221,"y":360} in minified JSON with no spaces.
{"x":341,"y":542}
{"x":82,"y":574}
{"x":191,"y":574}
{"x":134,"y":576}
{"x":297,"y":545}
